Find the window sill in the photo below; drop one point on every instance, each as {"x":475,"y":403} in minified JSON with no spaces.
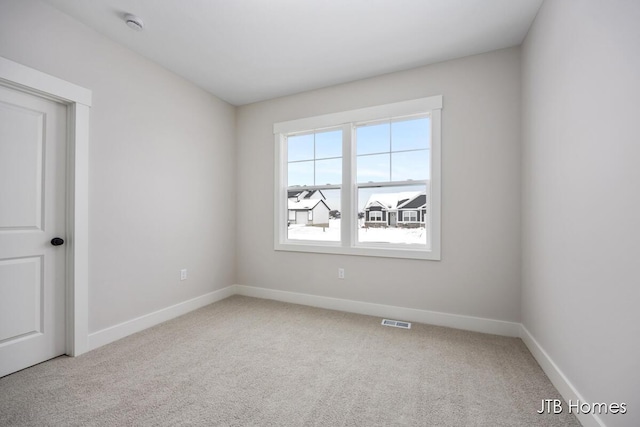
{"x":337,"y":249}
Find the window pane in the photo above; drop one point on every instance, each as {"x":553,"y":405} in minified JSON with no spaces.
{"x":410,"y":134}
{"x":410,"y":216}
{"x":373,"y":168}
{"x":300,"y":147}
{"x":373,"y":139}
{"x":410,"y":165}
{"x":316,"y":215}
{"x":329,"y":171}
{"x":329,"y":144}
{"x":300,"y":173}
{"x":382,"y":218}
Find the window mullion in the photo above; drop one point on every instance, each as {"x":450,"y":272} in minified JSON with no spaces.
{"x":346,"y":195}
{"x":390,"y":152}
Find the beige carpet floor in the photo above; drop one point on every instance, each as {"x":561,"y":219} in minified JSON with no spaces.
{"x":250,"y":362}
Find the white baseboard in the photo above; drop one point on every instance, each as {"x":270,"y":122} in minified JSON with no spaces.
{"x":469,"y":323}
{"x":476,"y":324}
{"x":121,"y":330}
{"x":557,"y":377}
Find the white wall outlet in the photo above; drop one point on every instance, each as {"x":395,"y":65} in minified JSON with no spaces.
{"x":341,"y":273}
{"x":183,"y":274}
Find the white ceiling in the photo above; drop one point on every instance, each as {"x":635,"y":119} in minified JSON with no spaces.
{"x":245,"y":51}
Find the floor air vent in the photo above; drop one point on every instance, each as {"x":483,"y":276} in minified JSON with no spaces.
{"x":396,"y":324}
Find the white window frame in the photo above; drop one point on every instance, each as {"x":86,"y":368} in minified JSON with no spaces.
{"x":347,"y":121}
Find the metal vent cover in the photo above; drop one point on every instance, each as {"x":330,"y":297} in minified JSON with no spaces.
{"x":396,"y":324}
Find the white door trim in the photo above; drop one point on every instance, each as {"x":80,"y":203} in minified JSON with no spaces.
{"x":78,"y":100}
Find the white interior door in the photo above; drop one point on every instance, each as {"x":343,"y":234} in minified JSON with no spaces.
{"x":32,"y":213}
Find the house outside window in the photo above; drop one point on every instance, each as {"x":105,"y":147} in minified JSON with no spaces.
{"x":376,"y":168}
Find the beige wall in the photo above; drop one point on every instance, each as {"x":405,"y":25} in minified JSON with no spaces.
{"x":479,"y":274}
{"x":158,"y":147}
{"x":581,"y":196}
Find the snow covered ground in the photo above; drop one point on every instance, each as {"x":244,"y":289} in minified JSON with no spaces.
{"x":332,"y":234}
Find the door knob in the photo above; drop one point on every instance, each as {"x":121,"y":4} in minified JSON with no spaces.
{"x":57,"y":241}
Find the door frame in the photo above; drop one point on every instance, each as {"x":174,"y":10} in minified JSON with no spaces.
{"x":78,"y":102}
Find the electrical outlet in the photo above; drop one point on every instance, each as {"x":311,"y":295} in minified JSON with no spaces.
{"x":341,"y":273}
{"x":183,"y":274}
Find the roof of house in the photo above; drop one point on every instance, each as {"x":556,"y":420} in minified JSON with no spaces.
{"x":419,"y":201}
{"x":304,"y":204}
{"x":306,"y":194}
{"x":392,"y":200}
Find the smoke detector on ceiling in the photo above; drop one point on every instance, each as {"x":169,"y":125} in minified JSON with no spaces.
{"x":134,"y":22}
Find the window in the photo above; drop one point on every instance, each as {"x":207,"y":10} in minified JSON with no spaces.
{"x":314,"y":182}
{"x":375,"y":216}
{"x":410,"y":216}
{"x":371,"y":177}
